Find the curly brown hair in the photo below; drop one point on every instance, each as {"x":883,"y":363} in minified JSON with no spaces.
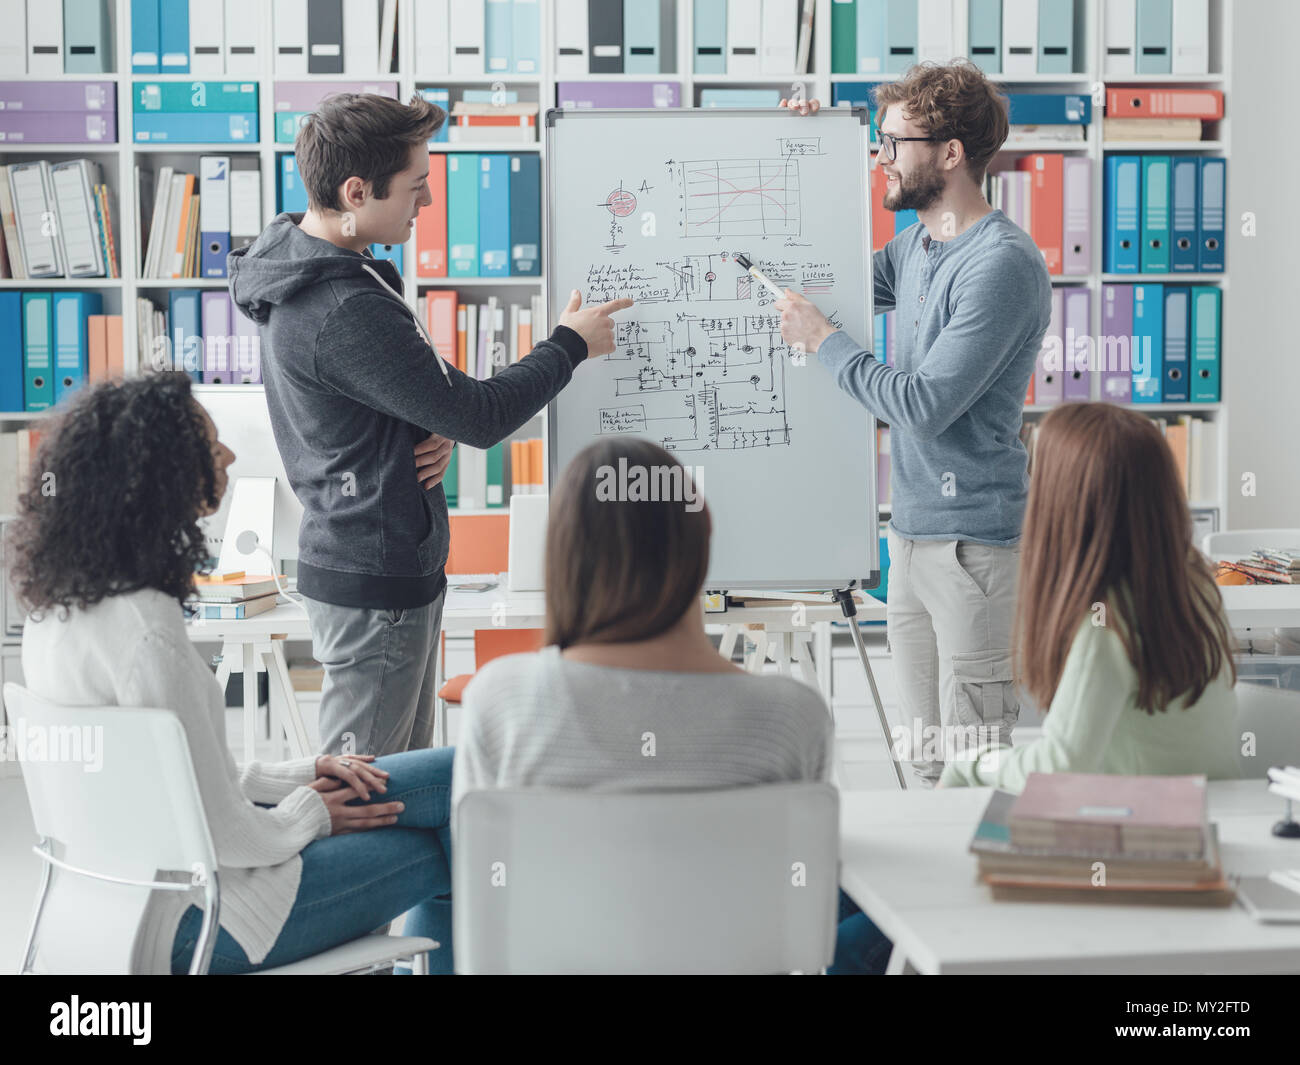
{"x":952,"y":101}
{"x":114,"y":496}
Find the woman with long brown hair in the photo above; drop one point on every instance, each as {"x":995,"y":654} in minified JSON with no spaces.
{"x":1119,"y":627}
{"x":627,"y":551}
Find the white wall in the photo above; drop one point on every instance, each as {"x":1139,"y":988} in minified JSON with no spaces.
{"x":1261,"y":316}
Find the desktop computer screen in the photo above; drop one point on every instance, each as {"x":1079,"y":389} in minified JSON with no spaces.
{"x":244,"y":425}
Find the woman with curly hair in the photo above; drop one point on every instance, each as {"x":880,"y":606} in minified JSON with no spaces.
{"x":312,"y":852}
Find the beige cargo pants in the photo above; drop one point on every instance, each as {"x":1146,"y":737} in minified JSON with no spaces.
{"x":949,"y":624}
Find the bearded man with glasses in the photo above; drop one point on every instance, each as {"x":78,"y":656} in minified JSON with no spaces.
{"x":972,"y":301}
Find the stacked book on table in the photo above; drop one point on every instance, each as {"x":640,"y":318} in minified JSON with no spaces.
{"x":232,"y":596}
{"x":1263,"y":566}
{"x":1071,"y":837}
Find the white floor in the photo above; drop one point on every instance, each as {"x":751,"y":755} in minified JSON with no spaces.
{"x":864,"y":760}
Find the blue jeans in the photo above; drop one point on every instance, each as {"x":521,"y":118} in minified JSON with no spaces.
{"x":861,"y":948}
{"x":354,"y":883}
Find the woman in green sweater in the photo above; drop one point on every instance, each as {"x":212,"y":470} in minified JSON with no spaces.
{"x":1119,"y":626}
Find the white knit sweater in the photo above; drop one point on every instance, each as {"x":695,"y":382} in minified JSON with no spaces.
{"x":541,"y":720}
{"x":132,"y":650}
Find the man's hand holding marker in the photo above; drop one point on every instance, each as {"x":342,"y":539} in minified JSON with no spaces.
{"x":803,"y":326}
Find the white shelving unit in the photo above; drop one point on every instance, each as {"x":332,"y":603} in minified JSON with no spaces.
{"x":119,"y":160}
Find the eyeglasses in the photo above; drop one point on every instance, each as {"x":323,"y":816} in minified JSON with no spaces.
{"x":889,"y":145}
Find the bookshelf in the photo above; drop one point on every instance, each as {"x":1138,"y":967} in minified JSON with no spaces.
{"x":119,"y":160}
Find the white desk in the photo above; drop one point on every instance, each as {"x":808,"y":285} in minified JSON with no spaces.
{"x":500,"y":607}
{"x":904,"y":861}
{"x":1262,"y":606}
{"x":260,"y":642}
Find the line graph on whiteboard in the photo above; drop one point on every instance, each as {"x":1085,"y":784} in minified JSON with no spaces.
{"x":741,"y":197}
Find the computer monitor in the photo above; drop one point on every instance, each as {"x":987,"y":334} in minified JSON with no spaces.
{"x":244,"y":425}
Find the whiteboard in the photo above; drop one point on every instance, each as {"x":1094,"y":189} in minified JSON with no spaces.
{"x":654,"y":205}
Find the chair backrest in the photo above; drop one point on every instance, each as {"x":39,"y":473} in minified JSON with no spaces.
{"x":112,"y":790}
{"x":1236,"y":543}
{"x":1272,"y":718}
{"x":741,"y":880}
{"x":493,"y":643}
{"x":480,"y":543}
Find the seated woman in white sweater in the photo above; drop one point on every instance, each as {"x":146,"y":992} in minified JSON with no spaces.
{"x":627,"y":655}
{"x":313,"y":852}
{"x":1119,"y":626}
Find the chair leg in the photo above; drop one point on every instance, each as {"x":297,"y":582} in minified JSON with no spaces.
{"x":420,"y":964}
{"x":441,"y":710}
{"x":440,"y":678}
{"x":29,"y":950}
{"x":207,"y":941}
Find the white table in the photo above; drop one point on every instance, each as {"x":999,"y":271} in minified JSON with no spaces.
{"x":904,"y":861}
{"x":257,"y":643}
{"x":1262,"y":606}
{"x":499,"y":607}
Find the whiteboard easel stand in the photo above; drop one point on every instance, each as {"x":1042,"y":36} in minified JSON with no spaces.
{"x":844,"y":597}
{"x":793,"y":647}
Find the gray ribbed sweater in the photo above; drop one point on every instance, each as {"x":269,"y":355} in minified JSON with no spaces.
{"x":540,"y":720}
{"x":132,"y":650}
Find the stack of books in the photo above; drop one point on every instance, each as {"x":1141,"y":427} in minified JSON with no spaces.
{"x":1266,"y":566}
{"x":232,"y":596}
{"x":1073,"y":837}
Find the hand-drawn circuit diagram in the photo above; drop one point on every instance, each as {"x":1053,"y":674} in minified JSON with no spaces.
{"x":708,"y":372}
{"x":699,"y":384}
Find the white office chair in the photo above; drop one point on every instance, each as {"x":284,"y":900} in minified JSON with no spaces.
{"x":1273,"y":716}
{"x":1237,"y":543}
{"x":106,"y":833}
{"x":742,"y":880}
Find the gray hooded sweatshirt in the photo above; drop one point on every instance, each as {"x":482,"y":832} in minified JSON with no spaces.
{"x":353,"y":384}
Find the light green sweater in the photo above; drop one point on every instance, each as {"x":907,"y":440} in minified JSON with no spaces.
{"x":1094,"y":725}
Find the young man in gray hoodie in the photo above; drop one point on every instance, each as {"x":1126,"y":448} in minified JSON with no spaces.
{"x":365,"y":412}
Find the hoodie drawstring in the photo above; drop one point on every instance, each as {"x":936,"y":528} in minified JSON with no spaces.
{"x":416,"y":319}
